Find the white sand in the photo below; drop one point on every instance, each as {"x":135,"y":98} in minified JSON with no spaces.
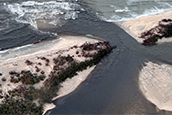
{"x":136,"y":26}
{"x":13,"y":63}
{"x":155,"y":82}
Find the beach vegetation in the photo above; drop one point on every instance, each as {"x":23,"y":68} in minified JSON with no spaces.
{"x":76,"y":67}
{"x":37,"y":69}
{"x":3,"y":79}
{"x":163,"y":30}
{"x":64,"y":67}
{"x":39,"y":63}
{"x":28,"y":62}
{"x":27,"y":78}
{"x":12,"y":72}
{"x":42,"y":72}
{"x":11,"y":106}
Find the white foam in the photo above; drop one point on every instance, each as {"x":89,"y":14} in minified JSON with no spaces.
{"x":122,"y":10}
{"x":30,"y":11}
{"x":153,"y":11}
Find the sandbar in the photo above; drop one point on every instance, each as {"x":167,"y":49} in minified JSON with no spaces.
{"x":155,"y":82}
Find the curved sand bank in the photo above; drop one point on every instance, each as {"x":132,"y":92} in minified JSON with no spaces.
{"x":136,"y":26}
{"x":47,"y":107}
{"x":155,"y":82}
{"x":49,"y":49}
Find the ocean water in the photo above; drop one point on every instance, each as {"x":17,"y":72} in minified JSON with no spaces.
{"x":22,"y":21}
{"x":123,"y":10}
{"x":113,"y":87}
{"x":25,"y":22}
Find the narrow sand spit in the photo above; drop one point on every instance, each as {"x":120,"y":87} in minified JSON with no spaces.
{"x":155,"y":82}
{"x":136,"y":26}
{"x":62,"y":47}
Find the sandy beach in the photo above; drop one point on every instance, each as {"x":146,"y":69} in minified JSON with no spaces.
{"x":18,"y":63}
{"x":62,"y":46}
{"x":136,"y":26}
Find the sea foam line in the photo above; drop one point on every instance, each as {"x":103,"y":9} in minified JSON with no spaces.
{"x":152,"y":11}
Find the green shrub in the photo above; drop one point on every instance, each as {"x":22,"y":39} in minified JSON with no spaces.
{"x":12,"y":106}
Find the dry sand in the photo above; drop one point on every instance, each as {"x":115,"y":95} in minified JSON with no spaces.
{"x":155,"y":82}
{"x":17,"y":63}
{"x":136,"y":26}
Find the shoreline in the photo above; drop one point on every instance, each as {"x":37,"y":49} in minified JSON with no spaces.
{"x":37,"y":76}
{"x":137,"y":26}
{"x":63,"y":44}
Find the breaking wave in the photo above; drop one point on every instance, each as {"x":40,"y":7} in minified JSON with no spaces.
{"x":131,"y":9}
{"x":51,"y":12}
{"x":132,"y":15}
